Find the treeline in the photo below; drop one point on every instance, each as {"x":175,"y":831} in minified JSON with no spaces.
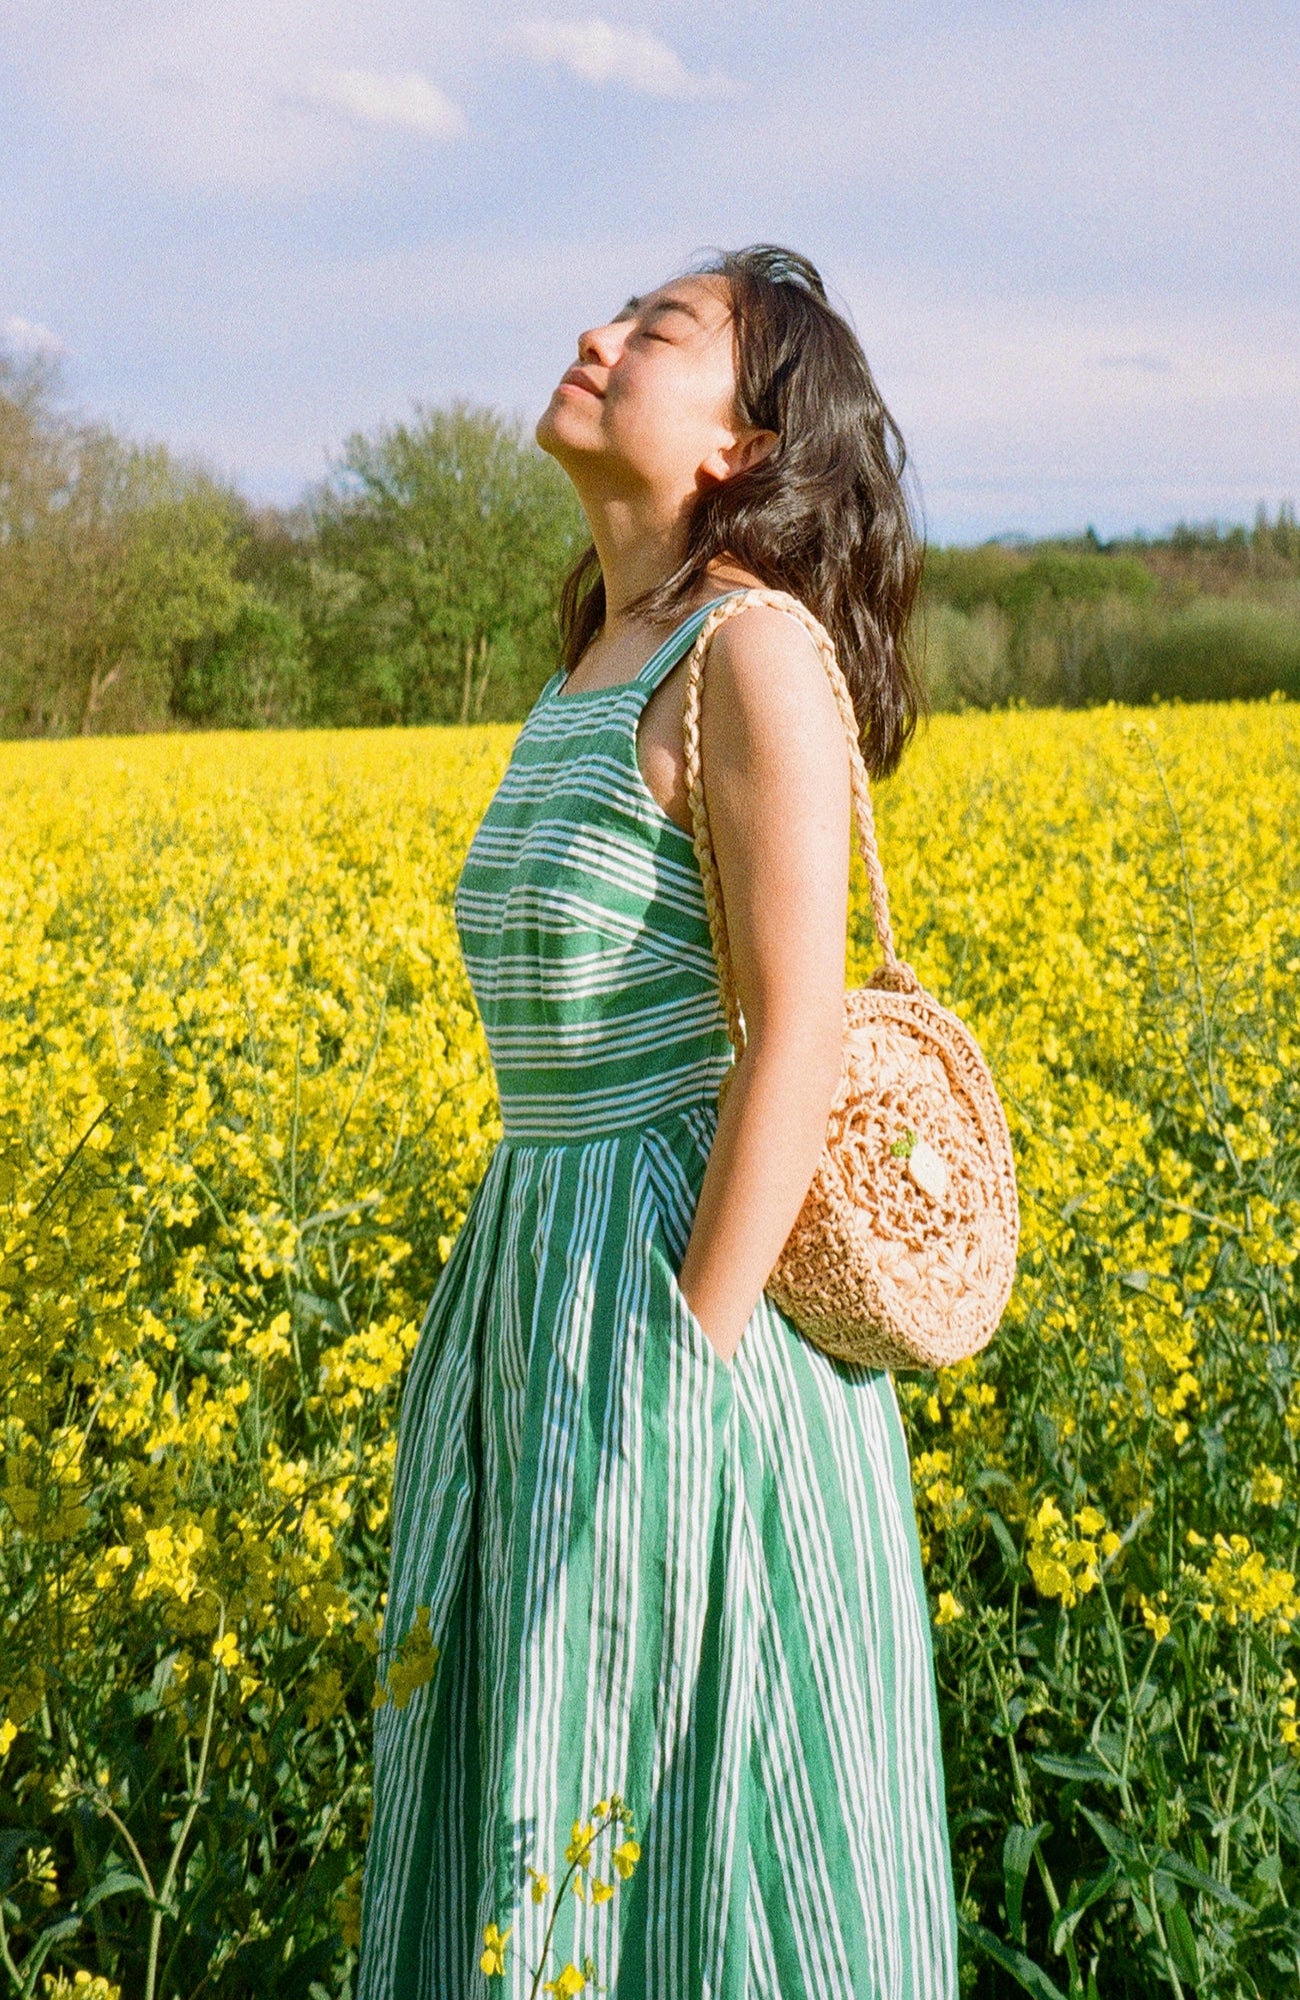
{"x":1208,"y":615}
{"x":417,"y":582}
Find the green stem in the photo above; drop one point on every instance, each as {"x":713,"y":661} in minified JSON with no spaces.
{"x":1117,"y":1639}
{"x":6,"y":1956}
{"x":1170,"y":1967}
{"x":1222,"y":1866}
{"x":196,"y":1797}
{"x":1025,"y":1810}
{"x":115,"y":1819}
{"x":559,"y":1898}
{"x":1125,"y":1794}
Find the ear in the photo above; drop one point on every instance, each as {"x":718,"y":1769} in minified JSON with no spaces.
{"x":749,"y":448}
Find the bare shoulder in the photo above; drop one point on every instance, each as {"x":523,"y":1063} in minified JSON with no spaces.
{"x":766,"y":685}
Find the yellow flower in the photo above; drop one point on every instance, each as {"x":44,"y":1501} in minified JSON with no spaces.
{"x":600,"y":1891}
{"x":1067,"y":1565}
{"x":625,"y":1857}
{"x":1288,"y":1727}
{"x":82,"y":1986}
{"x":225,"y":1651}
{"x":1156,"y":1622}
{"x":1267,"y":1487}
{"x":541,"y":1886}
{"x":229,"y":965}
{"x":273,"y":1342}
{"x":493,"y":1957}
{"x":413,"y":1662}
{"x":579,"y":1847}
{"x":324,"y":1698}
{"x":1241,"y":1584}
{"x":569,"y":1981}
{"x":950,"y":1610}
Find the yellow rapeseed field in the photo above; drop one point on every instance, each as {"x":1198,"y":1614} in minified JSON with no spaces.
{"x":244,"y":1103}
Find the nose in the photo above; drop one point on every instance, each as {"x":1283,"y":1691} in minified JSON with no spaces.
{"x":599,"y":344}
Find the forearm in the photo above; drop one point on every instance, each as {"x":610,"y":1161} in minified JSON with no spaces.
{"x":770,"y":1133}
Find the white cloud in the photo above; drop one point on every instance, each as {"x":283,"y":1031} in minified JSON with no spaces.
{"x":30,"y":337}
{"x":405,"y":99}
{"x":598,"y":52}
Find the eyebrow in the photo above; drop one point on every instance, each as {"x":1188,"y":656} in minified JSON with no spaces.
{"x":635,"y":303}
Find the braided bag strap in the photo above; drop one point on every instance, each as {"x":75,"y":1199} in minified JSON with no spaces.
{"x":893,"y":973}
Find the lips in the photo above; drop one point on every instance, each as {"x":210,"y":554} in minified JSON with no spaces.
{"x":575,"y":378}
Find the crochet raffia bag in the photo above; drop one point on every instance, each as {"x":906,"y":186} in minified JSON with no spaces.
{"x":904,"y":1251}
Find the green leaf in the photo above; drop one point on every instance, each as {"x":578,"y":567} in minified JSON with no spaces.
{"x":1022,"y":1969}
{"x":1011,"y":1560}
{"x":121,"y":1882}
{"x":1081,"y":1898}
{"x":1277,"y":1920}
{"x":1182,"y":1944}
{"x":1205,"y":1885}
{"x":66,"y":1927}
{"x":1111,"y":1838}
{"x":1046,"y":1433}
{"x":1081,"y":1770}
{"x":1017,"y":1853}
{"x":13,"y":1839}
{"x":1285,"y":1813}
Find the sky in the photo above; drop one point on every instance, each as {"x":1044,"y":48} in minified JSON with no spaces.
{"x":1066,"y":233}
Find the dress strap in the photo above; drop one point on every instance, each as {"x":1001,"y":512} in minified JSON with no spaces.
{"x":674,"y":648}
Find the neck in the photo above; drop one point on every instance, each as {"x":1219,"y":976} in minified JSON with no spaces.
{"x":639,"y":539}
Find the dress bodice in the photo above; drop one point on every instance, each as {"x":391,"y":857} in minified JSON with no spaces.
{"x":581,"y":917}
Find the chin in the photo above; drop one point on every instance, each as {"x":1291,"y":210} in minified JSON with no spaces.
{"x":546,"y":431}
{"x":560,"y":430}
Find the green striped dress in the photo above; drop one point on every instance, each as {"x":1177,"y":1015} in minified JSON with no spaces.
{"x":647,"y":1570}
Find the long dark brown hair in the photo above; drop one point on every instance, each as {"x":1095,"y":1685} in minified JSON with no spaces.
{"x":823,"y":516}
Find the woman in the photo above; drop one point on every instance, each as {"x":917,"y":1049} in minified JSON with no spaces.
{"x":648,"y":1540}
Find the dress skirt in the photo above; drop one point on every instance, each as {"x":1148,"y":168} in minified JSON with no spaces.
{"x":621,"y":1565}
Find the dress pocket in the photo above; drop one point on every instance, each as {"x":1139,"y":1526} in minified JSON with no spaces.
{"x":694,"y":1328}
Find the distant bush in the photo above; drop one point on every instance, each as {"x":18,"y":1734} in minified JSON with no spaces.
{"x":967,"y":657}
{"x":1059,"y":627}
{"x":1019,"y":581}
{"x":1219,"y":649}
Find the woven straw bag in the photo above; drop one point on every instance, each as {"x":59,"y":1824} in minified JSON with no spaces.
{"x":904,"y":1251}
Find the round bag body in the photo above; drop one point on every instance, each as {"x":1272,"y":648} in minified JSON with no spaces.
{"x":904,"y":1252}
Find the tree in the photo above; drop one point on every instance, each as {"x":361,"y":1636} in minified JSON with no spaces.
{"x":441,"y":542}
{"x":113,"y":560}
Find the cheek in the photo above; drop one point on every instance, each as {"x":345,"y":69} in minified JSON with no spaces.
{"x":676,"y":412}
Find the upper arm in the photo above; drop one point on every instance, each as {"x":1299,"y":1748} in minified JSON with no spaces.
{"x":775,"y":765}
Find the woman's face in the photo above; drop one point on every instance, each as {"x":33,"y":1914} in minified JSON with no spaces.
{"x":649,"y":403}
